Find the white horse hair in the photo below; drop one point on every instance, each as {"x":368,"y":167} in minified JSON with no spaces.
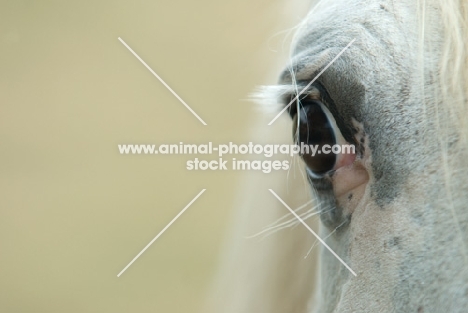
{"x":398,"y":213}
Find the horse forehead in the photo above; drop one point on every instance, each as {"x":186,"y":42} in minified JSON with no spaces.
{"x":329,"y":28}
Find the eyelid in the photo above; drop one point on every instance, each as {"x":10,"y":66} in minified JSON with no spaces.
{"x":312,"y":94}
{"x":338,"y":136}
{"x":341,"y":159}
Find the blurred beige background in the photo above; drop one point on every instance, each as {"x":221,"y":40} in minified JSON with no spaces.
{"x":73,"y":212}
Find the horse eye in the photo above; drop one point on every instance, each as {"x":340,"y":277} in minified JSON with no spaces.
{"x":312,"y":126}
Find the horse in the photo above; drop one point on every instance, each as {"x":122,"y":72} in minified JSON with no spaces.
{"x":395,"y":211}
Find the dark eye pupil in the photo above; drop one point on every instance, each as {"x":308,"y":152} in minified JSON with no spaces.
{"x":315,"y":129}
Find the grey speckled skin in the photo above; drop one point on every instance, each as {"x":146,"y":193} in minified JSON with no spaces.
{"x":405,"y":239}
